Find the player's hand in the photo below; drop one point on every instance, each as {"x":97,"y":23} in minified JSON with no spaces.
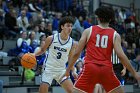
{"x":123,"y":72}
{"x":75,"y":75}
{"x":66,"y":75}
{"x":32,"y":54}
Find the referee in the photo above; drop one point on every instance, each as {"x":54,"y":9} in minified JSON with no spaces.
{"x":118,"y":68}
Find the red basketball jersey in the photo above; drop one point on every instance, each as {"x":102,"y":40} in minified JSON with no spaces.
{"x":100,"y":45}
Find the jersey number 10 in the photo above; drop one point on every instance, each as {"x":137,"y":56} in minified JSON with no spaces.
{"x":101,"y":41}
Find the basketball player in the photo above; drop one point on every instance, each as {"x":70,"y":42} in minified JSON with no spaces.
{"x":100,"y":41}
{"x":59,"y":48}
{"x":119,"y":70}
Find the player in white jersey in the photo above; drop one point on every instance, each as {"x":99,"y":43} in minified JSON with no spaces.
{"x":59,"y":48}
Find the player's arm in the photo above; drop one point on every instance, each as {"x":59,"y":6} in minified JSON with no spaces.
{"x":44,"y":48}
{"x":81,"y":44}
{"x":74,"y":46}
{"x":123,"y":58}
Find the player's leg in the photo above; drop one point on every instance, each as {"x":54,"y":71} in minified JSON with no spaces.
{"x":76,"y":90}
{"x":112,"y":89}
{"x":43,"y":88}
{"x":65,"y":82}
{"x":99,"y":89}
{"x":109,"y":81}
{"x":46,"y":81}
{"x":67,"y":85}
{"x":87,"y":79}
{"x":117,"y":90}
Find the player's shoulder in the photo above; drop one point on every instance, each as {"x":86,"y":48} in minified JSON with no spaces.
{"x":49,"y":39}
{"x":75,"y":44}
{"x":117,"y":35}
{"x":87,"y":30}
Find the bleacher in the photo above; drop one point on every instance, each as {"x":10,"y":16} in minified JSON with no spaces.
{"x":13,"y":79}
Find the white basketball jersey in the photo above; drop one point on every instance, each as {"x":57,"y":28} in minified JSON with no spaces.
{"x":57,"y":53}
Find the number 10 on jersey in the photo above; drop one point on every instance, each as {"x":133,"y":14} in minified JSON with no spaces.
{"x":101,"y":41}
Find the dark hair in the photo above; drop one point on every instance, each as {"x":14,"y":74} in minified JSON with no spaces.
{"x":64,"y":20}
{"x":105,"y":14}
{"x":42,"y":36}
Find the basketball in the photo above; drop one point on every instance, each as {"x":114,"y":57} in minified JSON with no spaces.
{"x":28,"y":60}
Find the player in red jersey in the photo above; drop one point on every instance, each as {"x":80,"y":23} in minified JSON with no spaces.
{"x":100,"y":41}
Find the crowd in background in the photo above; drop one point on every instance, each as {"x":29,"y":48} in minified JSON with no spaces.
{"x":31,"y":21}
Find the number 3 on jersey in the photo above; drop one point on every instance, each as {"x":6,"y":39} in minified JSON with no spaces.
{"x":59,"y":54}
{"x":101,"y":41}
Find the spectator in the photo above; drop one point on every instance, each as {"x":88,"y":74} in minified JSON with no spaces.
{"x":87,"y":23}
{"x":56,"y":22}
{"x":22,"y":45}
{"x":3,"y":29}
{"x":77,"y":29}
{"x":41,"y":58}
{"x":47,"y":30}
{"x":39,"y":18}
{"x":22,"y":38}
{"x":136,"y":64}
{"x":33,"y":46}
{"x":37,"y":33}
{"x":122,"y":15}
{"x":42,"y":37}
{"x":22,"y":21}
{"x":28,"y":14}
{"x":77,"y":25}
{"x":125,"y":47}
{"x":33,"y":41}
{"x":138,"y":38}
{"x":33,"y":7}
{"x":32,"y":38}
{"x":11,"y":23}
{"x":8,"y":5}
{"x":42,"y":27}
{"x":79,"y":65}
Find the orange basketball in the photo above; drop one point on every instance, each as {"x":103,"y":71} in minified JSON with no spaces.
{"x":28,"y":60}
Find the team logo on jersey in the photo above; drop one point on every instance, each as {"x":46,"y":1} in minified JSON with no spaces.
{"x":54,"y":42}
{"x":60,"y":49}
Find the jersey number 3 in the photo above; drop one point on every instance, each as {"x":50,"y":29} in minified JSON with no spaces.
{"x":101,"y":41}
{"x":59,"y":54}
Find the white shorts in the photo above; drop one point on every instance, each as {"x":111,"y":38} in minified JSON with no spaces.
{"x":48,"y":76}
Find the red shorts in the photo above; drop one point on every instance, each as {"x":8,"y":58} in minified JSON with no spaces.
{"x":93,"y":74}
